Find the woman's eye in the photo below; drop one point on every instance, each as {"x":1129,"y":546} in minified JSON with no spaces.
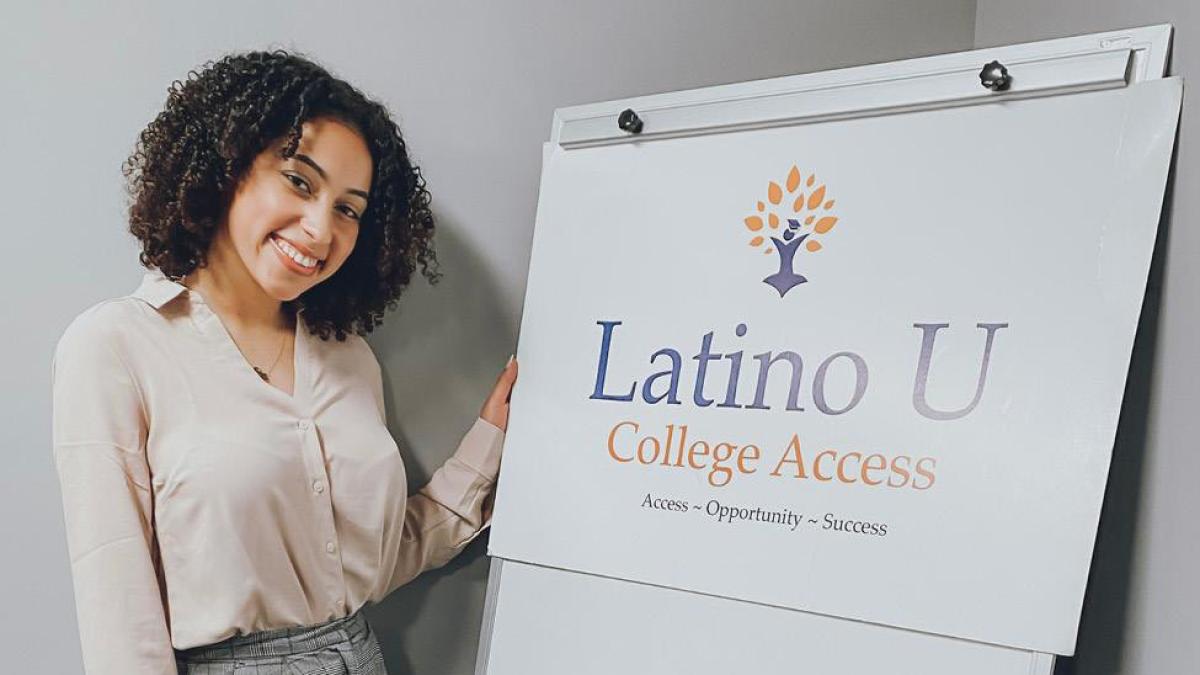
{"x":350,"y":213}
{"x":298,"y":182}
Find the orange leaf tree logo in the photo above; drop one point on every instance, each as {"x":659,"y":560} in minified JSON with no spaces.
{"x":806,"y":212}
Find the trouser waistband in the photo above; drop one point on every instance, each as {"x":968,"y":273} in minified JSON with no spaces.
{"x":281,"y":641}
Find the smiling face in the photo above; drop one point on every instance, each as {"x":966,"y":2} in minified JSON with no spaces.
{"x":294,"y":221}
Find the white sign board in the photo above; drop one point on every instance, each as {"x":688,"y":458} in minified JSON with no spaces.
{"x":870,"y":368}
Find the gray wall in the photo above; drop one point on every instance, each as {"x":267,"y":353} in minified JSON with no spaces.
{"x":473,"y":85}
{"x":1142,"y":609}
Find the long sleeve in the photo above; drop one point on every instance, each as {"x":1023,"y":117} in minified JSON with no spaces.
{"x":99,"y":439}
{"x":453,"y":508}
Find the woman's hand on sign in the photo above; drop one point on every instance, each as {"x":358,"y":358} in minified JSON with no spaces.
{"x":495,"y":408}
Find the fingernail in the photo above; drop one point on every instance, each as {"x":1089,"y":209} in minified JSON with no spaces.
{"x":510,"y":360}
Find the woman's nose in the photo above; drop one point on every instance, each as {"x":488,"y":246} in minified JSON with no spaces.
{"x":319,"y":228}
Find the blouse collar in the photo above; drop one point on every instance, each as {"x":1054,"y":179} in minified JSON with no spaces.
{"x":156,"y":289}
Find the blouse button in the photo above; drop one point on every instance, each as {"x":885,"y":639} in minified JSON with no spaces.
{"x":330,"y":547}
{"x":318,"y":486}
{"x":302,"y":425}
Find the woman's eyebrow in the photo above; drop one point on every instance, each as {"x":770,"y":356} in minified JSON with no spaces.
{"x":309,"y":161}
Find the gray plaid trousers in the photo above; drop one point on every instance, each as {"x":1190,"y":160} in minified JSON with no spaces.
{"x":345,"y":646}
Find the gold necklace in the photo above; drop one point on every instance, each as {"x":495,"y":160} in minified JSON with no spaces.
{"x":266,"y":376}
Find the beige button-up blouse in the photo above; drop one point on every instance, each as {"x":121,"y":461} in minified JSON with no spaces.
{"x":202,"y":502}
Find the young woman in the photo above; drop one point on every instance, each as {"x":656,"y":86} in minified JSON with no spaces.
{"x":232,"y":495}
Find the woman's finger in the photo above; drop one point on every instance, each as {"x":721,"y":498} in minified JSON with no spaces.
{"x":495,"y":408}
{"x":509,"y":377}
{"x":505,"y":380}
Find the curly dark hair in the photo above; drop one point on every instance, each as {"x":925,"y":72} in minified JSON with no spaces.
{"x":188,"y":162}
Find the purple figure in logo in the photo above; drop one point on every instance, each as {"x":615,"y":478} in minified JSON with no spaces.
{"x":786,"y":278}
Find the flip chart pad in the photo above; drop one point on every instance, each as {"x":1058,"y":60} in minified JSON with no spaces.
{"x":869,"y":368}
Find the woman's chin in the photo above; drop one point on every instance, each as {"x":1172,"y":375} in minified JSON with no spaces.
{"x":280,"y":287}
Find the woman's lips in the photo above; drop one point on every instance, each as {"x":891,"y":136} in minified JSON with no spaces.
{"x":292,"y":264}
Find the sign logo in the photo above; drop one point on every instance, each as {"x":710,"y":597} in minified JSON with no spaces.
{"x":806,"y":212}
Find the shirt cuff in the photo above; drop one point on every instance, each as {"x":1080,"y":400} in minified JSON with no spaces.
{"x":480,"y":449}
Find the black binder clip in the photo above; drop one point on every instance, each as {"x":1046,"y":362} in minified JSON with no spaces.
{"x":629,"y":121}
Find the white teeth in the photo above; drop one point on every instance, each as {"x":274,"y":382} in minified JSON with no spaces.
{"x":294,"y":254}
